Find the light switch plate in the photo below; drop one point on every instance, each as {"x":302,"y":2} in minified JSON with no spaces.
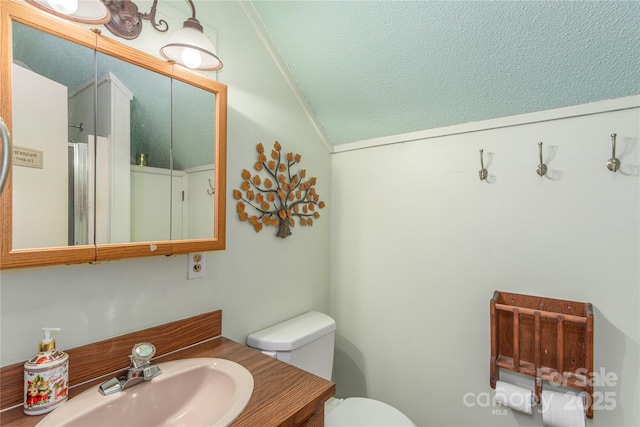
{"x":196,"y":265}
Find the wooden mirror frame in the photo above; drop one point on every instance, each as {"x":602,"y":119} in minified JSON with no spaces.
{"x":12,"y":10}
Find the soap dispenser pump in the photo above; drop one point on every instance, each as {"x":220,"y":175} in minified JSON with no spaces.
{"x":46,"y":377}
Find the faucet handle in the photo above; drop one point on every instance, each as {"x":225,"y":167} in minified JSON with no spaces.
{"x":142,"y":354}
{"x":151,"y":371}
{"x":110,"y":387}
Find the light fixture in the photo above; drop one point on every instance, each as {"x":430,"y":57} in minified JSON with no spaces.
{"x":85,"y":11}
{"x":189,"y":46}
{"x":126,"y":21}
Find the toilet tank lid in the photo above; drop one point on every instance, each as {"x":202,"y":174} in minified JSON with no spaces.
{"x":293,"y":333}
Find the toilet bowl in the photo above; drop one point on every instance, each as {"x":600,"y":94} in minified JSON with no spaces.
{"x":307,"y":341}
{"x":363,"y":412}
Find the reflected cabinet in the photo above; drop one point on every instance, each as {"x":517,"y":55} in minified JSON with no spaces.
{"x":115,"y":153}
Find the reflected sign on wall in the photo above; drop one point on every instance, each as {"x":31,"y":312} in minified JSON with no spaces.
{"x":27,"y":157}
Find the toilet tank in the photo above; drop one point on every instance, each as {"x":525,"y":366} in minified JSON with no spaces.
{"x":306,"y":341}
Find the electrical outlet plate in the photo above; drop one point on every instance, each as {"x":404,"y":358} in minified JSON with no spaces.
{"x":196,"y":265}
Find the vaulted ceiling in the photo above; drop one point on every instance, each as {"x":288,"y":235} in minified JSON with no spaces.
{"x":376,"y":68}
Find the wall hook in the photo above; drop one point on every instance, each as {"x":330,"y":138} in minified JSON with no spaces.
{"x":77,"y":126}
{"x":211,"y":191}
{"x":482,"y":172}
{"x":613,"y":164}
{"x":542,"y":168}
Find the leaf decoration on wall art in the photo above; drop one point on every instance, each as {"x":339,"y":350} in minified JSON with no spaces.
{"x":277,"y":194}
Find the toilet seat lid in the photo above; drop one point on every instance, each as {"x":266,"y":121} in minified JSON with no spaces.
{"x":358,"y":411}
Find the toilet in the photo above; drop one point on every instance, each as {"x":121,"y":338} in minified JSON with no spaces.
{"x":307,"y":342}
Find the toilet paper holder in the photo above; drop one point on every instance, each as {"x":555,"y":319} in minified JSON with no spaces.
{"x":545,"y":338}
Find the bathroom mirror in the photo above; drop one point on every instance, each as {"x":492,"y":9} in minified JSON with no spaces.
{"x":45,"y":70}
{"x":139,"y":206}
{"x":193,"y":164}
{"x":138,"y":154}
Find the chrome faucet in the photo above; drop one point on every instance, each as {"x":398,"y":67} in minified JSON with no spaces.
{"x":140,"y":370}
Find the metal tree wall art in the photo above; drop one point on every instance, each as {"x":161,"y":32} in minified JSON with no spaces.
{"x":279,"y":195}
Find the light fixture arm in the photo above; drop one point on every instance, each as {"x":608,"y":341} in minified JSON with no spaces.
{"x":161,"y":26}
{"x":193,"y":22}
{"x":126,"y":21}
{"x":193,"y":9}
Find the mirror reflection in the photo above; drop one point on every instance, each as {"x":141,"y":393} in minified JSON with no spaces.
{"x":44,"y":68}
{"x":137,"y":167}
{"x":193,"y":163}
{"x":134,"y":108}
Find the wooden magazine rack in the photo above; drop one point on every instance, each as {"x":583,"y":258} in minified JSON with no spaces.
{"x":548,"y":339}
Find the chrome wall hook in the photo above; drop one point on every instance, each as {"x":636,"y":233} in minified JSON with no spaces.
{"x":613,"y":164}
{"x":483,"y":173}
{"x":542,"y":168}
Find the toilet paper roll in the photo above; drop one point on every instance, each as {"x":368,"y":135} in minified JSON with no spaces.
{"x":514,"y":397}
{"x":562,"y":409}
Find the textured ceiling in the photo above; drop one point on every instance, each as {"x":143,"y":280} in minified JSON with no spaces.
{"x":376,"y":68}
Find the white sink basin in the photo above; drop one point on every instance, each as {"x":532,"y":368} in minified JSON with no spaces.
{"x":189,"y":393}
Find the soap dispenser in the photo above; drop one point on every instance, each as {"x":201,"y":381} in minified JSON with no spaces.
{"x":46,"y":377}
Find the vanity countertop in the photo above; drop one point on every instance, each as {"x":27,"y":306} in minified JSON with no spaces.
{"x":283,"y":395}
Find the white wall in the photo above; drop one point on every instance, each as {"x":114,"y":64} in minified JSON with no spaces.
{"x":152,"y":205}
{"x":420,"y":244}
{"x":258,"y":280}
{"x":198,"y":204}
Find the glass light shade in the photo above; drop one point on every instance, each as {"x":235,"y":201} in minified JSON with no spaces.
{"x":66,"y":7}
{"x":87,"y":11}
{"x":191,"y":48}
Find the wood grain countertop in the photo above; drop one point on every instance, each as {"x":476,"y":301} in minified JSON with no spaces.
{"x":283,"y":395}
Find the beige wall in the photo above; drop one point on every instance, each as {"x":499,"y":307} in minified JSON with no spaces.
{"x":260,"y":279}
{"x":420,"y":244}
